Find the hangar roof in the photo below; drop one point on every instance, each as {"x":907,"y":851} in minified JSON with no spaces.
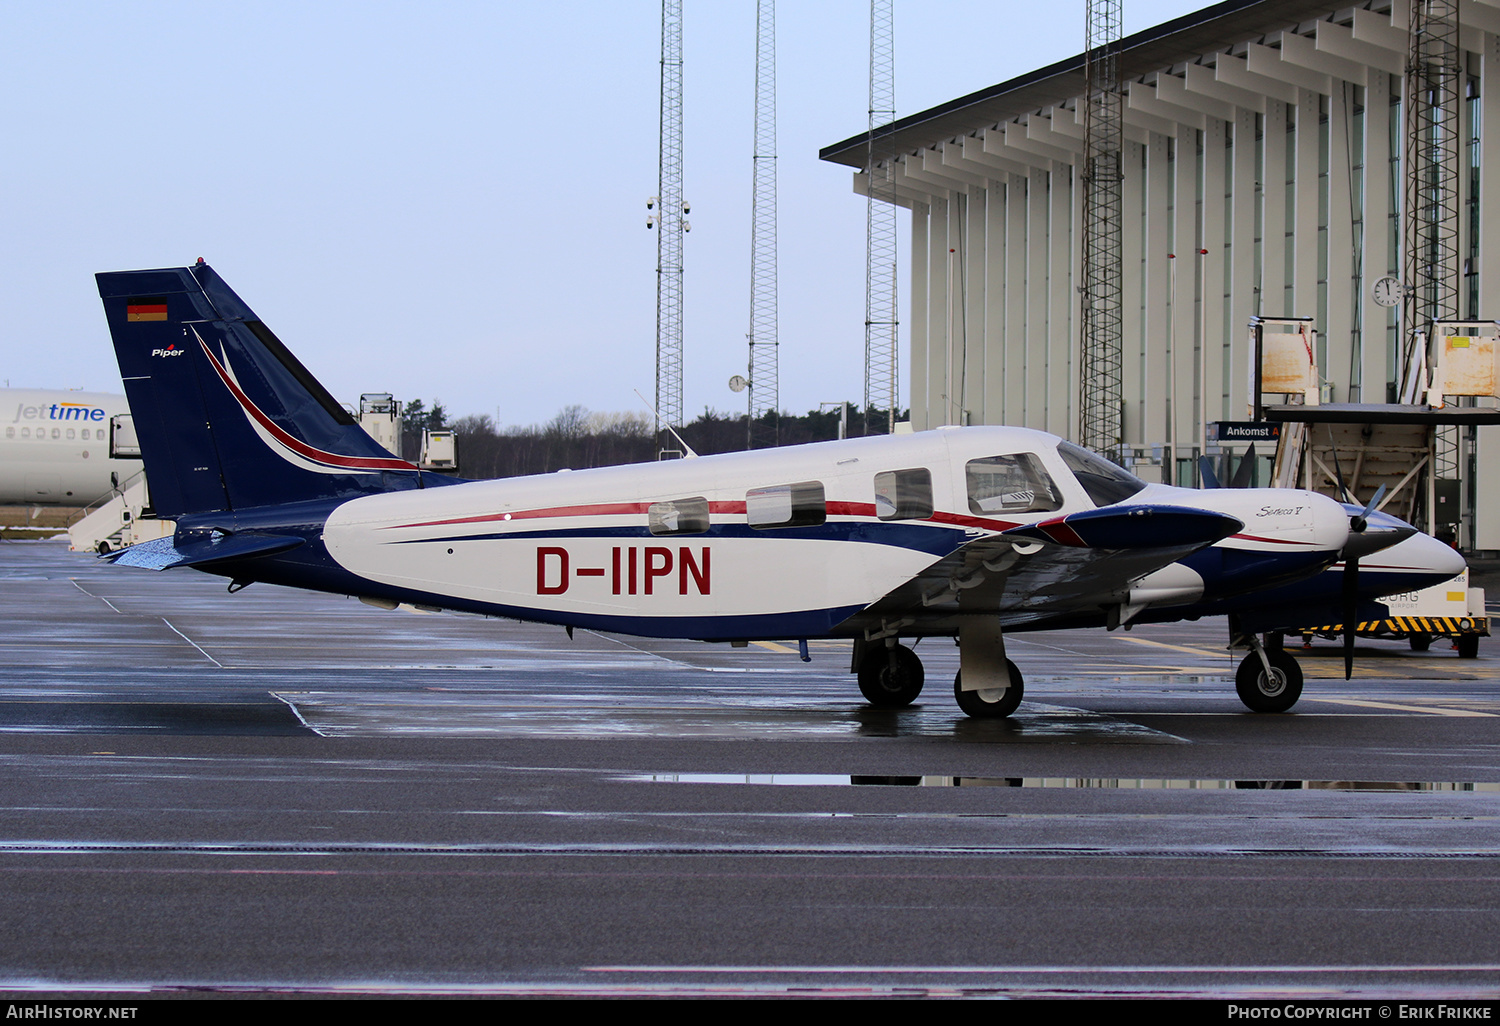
{"x":1215,"y":28}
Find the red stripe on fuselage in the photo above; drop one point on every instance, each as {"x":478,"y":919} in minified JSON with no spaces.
{"x":299,"y":447}
{"x":733,"y":506}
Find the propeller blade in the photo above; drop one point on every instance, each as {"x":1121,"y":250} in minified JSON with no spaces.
{"x":1346,"y":495}
{"x":1359,"y":523}
{"x":1351,"y":610}
{"x":1245,"y":470}
{"x":1206,"y":468}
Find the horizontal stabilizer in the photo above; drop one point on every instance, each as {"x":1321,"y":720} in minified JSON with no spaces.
{"x":165,"y":553}
{"x":1133,"y":527}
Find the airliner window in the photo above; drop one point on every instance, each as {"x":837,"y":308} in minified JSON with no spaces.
{"x":903,"y":494}
{"x":793,"y":505}
{"x":1010,"y":484}
{"x":680,"y":516}
{"x":1105,"y":482}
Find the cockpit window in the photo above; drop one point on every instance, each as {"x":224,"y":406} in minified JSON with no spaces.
{"x":1105,"y":482}
{"x":1010,"y":484}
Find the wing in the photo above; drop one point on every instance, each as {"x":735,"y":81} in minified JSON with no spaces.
{"x":1080,"y":563}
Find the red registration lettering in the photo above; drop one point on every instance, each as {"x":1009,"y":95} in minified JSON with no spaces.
{"x":561,"y":557}
{"x":658,"y":564}
{"x":685,"y":565}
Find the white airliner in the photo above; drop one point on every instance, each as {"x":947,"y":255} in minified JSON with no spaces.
{"x":54,"y":447}
{"x":970,"y":533}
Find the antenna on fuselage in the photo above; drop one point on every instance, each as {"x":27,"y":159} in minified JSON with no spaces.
{"x":685,"y":447}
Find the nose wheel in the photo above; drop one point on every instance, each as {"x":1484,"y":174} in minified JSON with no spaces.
{"x":1272,"y":689}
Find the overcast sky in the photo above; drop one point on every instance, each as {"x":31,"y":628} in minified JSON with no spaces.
{"x":447,"y":200}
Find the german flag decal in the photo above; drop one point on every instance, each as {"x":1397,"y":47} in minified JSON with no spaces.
{"x":146,"y":310}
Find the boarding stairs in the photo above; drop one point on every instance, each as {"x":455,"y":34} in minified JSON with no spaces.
{"x":122,"y":520}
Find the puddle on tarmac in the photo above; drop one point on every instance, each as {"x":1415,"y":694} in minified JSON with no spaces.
{"x":1101,"y":783}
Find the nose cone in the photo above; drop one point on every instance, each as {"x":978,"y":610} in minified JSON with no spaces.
{"x":1420,"y":561}
{"x":1441,"y":560}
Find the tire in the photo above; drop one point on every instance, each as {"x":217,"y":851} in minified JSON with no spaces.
{"x":1468,"y":646}
{"x":974,"y":703}
{"x":890,"y":678}
{"x":1276,"y":694}
{"x":1420,"y":642}
{"x":102,"y":548}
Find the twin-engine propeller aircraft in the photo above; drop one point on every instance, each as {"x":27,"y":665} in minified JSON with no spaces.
{"x":969,"y":533}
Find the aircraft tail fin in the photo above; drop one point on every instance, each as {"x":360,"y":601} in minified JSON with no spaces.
{"x":227,"y":417}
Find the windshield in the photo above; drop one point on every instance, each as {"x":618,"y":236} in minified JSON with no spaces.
{"x":1105,"y":482}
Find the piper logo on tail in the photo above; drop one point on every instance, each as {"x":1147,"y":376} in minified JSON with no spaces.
{"x":171,"y":350}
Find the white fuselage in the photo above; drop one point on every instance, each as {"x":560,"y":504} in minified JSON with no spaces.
{"x":577,"y":544}
{"x":54,"y":447}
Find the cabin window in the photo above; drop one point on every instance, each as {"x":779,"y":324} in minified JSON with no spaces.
{"x":1105,"y":482}
{"x":26,"y":432}
{"x":70,"y":433}
{"x":793,"y":505}
{"x":56,"y":433}
{"x":680,"y":516}
{"x":1010,"y":484}
{"x":10,"y":432}
{"x":903,"y":494}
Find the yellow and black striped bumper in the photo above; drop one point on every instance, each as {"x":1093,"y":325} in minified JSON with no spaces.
{"x":1405,"y":626}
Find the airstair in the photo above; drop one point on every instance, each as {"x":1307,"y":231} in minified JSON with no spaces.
{"x":122,"y":520}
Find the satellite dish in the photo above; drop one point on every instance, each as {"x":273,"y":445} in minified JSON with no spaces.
{"x":738,"y":383}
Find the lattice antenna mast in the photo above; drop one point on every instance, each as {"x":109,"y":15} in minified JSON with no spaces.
{"x":1434,"y":77}
{"x":763,"y":430}
{"x":882,"y":362}
{"x":1100,"y":379}
{"x":670,"y":221}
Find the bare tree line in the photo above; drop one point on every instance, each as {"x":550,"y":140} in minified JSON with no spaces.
{"x":577,"y":438}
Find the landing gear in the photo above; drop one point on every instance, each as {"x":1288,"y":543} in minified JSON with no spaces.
{"x":990,"y":703}
{"x":890,"y":677}
{"x":1276,"y":691}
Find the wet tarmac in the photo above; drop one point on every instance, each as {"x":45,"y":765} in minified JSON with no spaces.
{"x":285,"y":792}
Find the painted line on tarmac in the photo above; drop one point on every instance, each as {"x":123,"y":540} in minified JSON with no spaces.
{"x":190,"y":641}
{"x":1364,"y":703}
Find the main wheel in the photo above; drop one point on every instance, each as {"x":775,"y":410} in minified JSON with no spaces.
{"x":1277,"y":692}
{"x":1468,"y":646}
{"x":890,"y":678}
{"x":990,"y":703}
{"x":1420,"y":642}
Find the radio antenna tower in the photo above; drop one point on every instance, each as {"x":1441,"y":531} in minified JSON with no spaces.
{"x":1430,"y":262}
{"x":1433,"y":76}
{"x":1099,"y":404}
{"x":882,"y":363}
{"x":763,"y":430}
{"x":670,"y":222}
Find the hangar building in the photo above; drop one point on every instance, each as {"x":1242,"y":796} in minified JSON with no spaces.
{"x":1263,"y":147}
